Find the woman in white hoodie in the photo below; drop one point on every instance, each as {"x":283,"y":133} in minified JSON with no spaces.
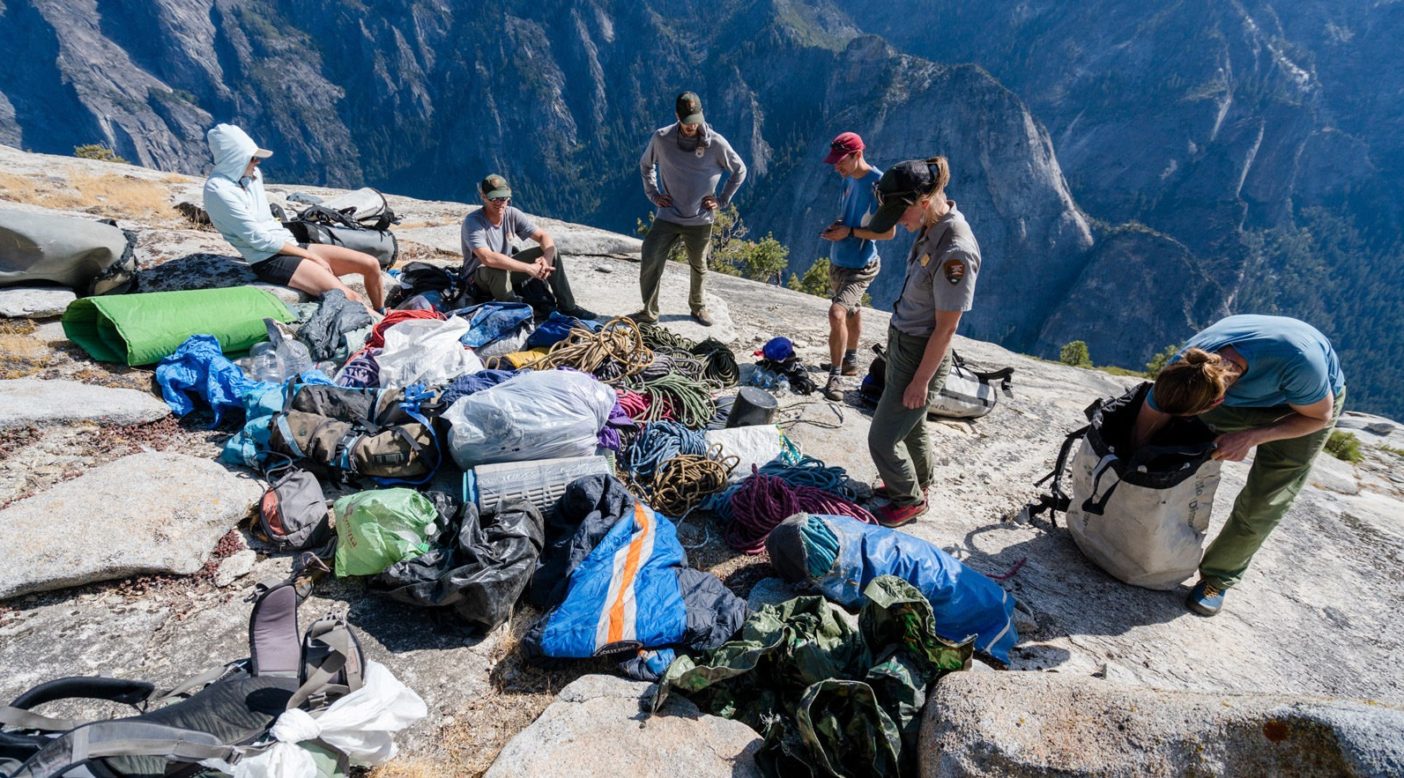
{"x":238,"y":208}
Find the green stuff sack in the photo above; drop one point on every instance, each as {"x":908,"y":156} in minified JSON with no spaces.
{"x":142,"y":329}
{"x":378,"y":528}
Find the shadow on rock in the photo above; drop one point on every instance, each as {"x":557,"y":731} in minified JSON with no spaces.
{"x":1067,"y":594}
{"x":195,"y":271}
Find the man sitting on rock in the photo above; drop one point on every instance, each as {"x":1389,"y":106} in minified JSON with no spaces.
{"x":491,"y":264}
{"x":238,"y":208}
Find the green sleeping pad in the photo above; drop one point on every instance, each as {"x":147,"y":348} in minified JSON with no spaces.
{"x":142,"y":329}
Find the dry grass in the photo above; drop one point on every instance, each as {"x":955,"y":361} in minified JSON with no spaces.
{"x":118,"y":196}
{"x":24,"y":354}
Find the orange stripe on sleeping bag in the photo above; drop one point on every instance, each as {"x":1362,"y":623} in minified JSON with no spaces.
{"x":631,"y":568}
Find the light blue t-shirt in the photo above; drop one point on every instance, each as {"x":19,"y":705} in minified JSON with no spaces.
{"x":857,"y":205}
{"x":1289,"y":361}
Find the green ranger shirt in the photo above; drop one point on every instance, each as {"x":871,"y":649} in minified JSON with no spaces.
{"x":941,"y":271}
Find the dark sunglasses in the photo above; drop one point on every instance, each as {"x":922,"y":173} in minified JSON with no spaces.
{"x":499,"y":199}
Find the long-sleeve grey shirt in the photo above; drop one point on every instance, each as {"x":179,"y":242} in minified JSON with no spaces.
{"x":688,"y":176}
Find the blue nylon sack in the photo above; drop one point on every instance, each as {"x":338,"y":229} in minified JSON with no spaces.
{"x":964,"y":602}
{"x":198,"y":370}
{"x":262,"y":401}
{"x":555,"y":329}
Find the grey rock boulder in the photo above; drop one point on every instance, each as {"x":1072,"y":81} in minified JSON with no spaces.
{"x":34,"y":302}
{"x":598,"y":726}
{"x":145,"y":513}
{"x":26,"y":401}
{"x":1026,"y":723}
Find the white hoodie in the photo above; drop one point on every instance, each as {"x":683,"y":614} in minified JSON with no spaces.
{"x":237,"y":206}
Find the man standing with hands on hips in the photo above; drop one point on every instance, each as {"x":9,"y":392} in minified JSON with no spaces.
{"x":940,"y":285}
{"x":681,"y":168}
{"x":853,"y":256}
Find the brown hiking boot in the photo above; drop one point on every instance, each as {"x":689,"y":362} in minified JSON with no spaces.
{"x":848,"y":367}
{"x":702,"y":316}
{"x":643,"y":317}
{"x":834,"y":388}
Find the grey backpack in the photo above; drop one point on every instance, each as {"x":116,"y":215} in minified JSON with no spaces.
{"x":294,"y":513}
{"x":222,"y":714}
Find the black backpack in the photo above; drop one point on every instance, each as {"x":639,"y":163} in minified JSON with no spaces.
{"x":224,"y":713}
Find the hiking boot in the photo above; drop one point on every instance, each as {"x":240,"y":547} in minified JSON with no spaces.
{"x":892,"y":515}
{"x":848,"y":367}
{"x":584,"y":314}
{"x":834,"y":388}
{"x":703,"y":317}
{"x":1205,"y":598}
{"x":643,"y":317}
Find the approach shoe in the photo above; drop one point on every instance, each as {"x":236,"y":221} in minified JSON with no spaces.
{"x":1205,"y":598}
{"x":702,"y":316}
{"x":643,"y":317}
{"x":584,"y":314}
{"x":880,"y":492}
{"x":892,"y":515}
{"x":834,"y":388}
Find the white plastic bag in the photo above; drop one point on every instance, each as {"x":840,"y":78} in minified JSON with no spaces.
{"x":538,"y":415}
{"x":755,"y":445}
{"x":425,"y":351}
{"x":361,"y":725}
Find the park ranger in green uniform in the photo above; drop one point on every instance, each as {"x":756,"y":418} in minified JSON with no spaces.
{"x":942,"y":268}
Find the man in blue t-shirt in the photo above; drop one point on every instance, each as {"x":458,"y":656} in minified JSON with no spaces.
{"x":853,"y":256}
{"x":1268,"y":382}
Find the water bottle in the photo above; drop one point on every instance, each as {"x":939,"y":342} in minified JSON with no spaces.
{"x":783,"y":384}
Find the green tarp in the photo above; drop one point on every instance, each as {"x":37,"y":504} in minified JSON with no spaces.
{"x":142,"y":329}
{"x":831,"y":699}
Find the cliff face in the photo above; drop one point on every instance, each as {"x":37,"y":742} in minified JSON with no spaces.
{"x":1246,"y":137}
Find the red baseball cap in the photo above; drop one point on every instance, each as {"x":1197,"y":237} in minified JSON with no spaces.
{"x":846,"y":143}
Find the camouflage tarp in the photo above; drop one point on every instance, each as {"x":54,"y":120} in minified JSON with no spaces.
{"x":830,"y":698}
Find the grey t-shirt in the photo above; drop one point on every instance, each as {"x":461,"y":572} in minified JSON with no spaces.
{"x":941,"y":272}
{"x":478,"y":232}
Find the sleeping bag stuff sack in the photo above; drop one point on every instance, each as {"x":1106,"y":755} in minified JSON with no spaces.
{"x":1140,"y":516}
{"x":88,"y":256}
{"x":539,"y":415}
{"x":141,"y":329}
{"x":841,"y":556}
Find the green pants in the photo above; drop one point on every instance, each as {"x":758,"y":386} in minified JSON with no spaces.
{"x":1279,"y":472}
{"x":501,"y":283}
{"x":657,"y":244}
{"x":897,"y":439}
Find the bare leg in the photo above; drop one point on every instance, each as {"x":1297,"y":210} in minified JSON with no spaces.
{"x":855,"y":329}
{"x":341,"y":261}
{"x":838,"y":333}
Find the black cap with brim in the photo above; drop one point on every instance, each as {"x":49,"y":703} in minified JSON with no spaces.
{"x":494,"y":186}
{"x":900,"y":186}
{"x":886,"y":217}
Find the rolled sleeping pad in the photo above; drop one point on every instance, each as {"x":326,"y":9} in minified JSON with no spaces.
{"x":142,"y":329}
{"x":753,"y":406}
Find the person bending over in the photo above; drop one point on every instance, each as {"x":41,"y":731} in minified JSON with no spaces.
{"x":1265,"y":382}
{"x":853,"y":256}
{"x":238,"y":208}
{"x":489,"y":261}
{"x":940,"y":285}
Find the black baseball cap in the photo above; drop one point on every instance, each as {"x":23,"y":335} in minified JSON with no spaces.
{"x":689,"y":108}
{"x":901,"y":186}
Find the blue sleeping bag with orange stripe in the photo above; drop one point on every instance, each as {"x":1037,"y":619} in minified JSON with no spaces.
{"x":627,"y":593}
